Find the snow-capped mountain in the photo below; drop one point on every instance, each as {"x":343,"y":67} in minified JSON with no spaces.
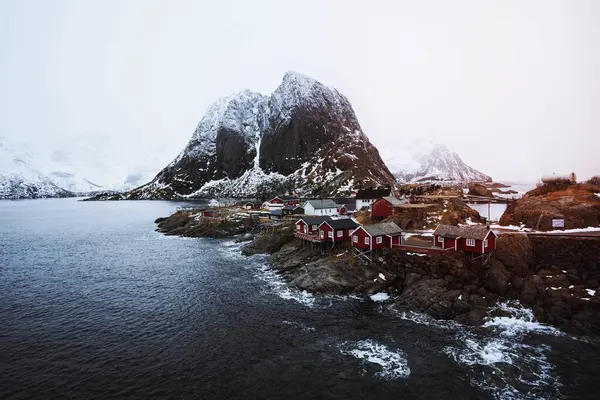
{"x":73,"y":182}
{"x":18,"y":180}
{"x":303,"y":137}
{"x":426,"y":161}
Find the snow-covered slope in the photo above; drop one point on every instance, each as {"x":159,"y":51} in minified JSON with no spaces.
{"x":304,"y":137}
{"x":426,"y":161}
{"x":19,"y":181}
{"x":73,"y":182}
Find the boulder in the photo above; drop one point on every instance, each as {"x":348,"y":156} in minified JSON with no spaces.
{"x":497,"y":279}
{"x":476,"y":189}
{"x":533,"y":288}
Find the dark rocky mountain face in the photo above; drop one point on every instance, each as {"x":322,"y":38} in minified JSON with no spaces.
{"x":304,"y":137}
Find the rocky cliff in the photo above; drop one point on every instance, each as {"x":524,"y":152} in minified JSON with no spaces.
{"x":577,"y":204}
{"x":303,"y":137}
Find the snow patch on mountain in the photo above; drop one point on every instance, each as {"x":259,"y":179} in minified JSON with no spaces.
{"x":20,"y":181}
{"x":426,"y":161}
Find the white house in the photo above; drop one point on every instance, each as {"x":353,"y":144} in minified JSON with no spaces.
{"x":320,"y":207}
{"x":366,"y":197}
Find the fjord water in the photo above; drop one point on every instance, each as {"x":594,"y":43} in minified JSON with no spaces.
{"x":94,"y":304}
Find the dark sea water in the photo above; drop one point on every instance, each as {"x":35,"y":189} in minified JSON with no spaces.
{"x":96,"y":305}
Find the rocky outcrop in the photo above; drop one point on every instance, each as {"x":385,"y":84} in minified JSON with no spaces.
{"x":192,"y":224}
{"x":305,"y":136}
{"x":577,"y":204}
{"x":476,"y":189}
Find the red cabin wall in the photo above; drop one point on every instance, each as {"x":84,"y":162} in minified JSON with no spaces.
{"x":361,"y":239}
{"x":302,"y":224}
{"x":396,"y":240}
{"x":462,"y":245}
{"x":381,"y":209}
{"x":449,"y":243}
{"x":276,"y":200}
{"x":208,"y":214}
{"x":491,"y":242}
{"x":325,"y":229}
{"x":436,"y":241}
{"x":385,"y":242}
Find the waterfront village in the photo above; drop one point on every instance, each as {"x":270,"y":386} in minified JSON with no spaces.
{"x":427,"y":246}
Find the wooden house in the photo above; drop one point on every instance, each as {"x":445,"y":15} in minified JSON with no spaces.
{"x":320,"y":207}
{"x":252,"y":205}
{"x":298,"y":210}
{"x":376,"y":236}
{"x":310,"y":225}
{"x":337,"y":230}
{"x":477,"y":239}
{"x":285,"y":200}
{"x":366,"y":197}
{"x":384,"y":207}
{"x":346,"y":205}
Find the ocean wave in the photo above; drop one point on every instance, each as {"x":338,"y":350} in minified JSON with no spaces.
{"x":499,"y":362}
{"x":393,"y":363}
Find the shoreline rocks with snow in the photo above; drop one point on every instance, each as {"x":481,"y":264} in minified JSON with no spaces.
{"x":557,"y":277}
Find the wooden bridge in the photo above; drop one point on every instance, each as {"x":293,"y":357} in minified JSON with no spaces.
{"x":309,"y":237}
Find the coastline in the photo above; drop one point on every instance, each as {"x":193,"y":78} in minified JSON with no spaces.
{"x":538,"y":272}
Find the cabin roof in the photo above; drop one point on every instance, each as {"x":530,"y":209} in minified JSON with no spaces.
{"x":346,"y":201}
{"x":276,"y":212}
{"x":289,"y":208}
{"x":478,"y":232}
{"x":384,"y":228}
{"x":342,"y":223}
{"x":393,"y":201}
{"x":316,"y":220}
{"x":320,"y":204}
{"x":366,"y":194}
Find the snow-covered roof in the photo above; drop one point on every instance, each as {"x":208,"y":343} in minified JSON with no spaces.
{"x":384,"y":228}
{"x":321,"y":204}
{"x":478,"y":232}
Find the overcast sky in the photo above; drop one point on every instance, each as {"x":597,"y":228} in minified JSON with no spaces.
{"x":512,"y":86}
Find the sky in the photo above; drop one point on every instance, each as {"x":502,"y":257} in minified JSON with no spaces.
{"x":512,"y":86}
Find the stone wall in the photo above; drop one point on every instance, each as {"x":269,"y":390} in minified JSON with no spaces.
{"x":563,"y":252}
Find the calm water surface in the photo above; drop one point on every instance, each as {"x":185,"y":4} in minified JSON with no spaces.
{"x":96,"y":305}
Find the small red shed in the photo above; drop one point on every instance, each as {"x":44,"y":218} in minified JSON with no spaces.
{"x":478,"y":239}
{"x":384,"y":207}
{"x":337,"y":230}
{"x":376,"y":236}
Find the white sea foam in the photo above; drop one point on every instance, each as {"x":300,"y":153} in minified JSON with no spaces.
{"x":281,"y":288}
{"x":499,"y":362}
{"x":380,"y":297}
{"x":519,"y":321}
{"x":394,"y":364}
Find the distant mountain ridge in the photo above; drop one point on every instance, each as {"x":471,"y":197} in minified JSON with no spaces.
{"x":426,"y":161}
{"x":18,"y":180}
{"x":304,"y":137}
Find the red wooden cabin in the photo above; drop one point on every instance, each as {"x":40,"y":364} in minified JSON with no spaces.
{"x":310,"y":225}
{"x":376,"y":236}
{"x":285,"y":200}
{"x":337,"y":230}
{"x":478,"y":239}
{"x":384,"y":207}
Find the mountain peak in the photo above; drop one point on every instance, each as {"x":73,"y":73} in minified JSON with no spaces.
{"x":304,"y":136}
{"x":424,"y":160}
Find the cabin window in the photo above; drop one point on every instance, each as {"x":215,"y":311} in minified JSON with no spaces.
{"x":298,"y":227}
{"x":349,"y":232}
{"x":367,"y":240}
{"x":330,"y":234}
{"x":322,"y":234}
{"x":441,"y":240}
{"x":379,"y":240}
{"x":354,"y":239}
{"x":340,"y":233}
{"x":485,"y":243}
{"x":314,"y":228}
{"x":471,"y":242}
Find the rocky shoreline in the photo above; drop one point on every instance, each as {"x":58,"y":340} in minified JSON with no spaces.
{"x":556,"y":277}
